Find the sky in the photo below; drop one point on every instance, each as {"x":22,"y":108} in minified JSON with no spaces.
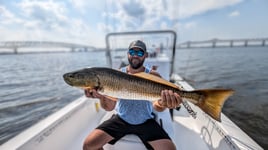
{"x":87,"y":22}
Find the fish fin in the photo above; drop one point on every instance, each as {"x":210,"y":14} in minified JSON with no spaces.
{"x":213,"y":100}
{"x":155,"y":79}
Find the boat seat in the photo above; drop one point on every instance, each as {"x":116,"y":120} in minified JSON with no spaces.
{"x":132,"y":141}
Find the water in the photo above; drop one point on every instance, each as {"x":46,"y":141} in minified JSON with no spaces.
{"x":31,"y":85}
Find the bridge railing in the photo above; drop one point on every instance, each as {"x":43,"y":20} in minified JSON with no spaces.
{"x":224,"y":43}
{"x":15,"y":45}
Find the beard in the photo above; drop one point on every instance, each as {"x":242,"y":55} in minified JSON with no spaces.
{"x":135,"y":63}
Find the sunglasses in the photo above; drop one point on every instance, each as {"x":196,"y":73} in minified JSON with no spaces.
{"x":133,"y":52}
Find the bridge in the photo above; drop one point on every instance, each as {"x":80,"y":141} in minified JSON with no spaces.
{"x":15,"y":45}
{"x":214,"y":43}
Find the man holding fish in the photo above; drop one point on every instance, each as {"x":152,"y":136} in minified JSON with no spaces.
{"x":133,"y":117}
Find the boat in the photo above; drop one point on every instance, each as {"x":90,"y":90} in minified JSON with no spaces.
{"x":67,"y":128}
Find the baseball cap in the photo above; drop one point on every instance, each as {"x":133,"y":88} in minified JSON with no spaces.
{"x":138,"y":44}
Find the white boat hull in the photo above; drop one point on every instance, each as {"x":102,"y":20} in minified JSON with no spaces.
{"x":67,"y":129}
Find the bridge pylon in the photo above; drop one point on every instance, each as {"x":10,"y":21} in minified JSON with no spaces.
{"x":15,"y":50}
{"x":263,"y":42}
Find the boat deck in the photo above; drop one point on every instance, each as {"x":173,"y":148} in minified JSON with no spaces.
{"x":67,"y":129}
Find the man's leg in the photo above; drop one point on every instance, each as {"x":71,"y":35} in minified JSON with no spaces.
{"x":163,"y":144}
{"x":96,"y":140}
{"x":154,"y":136}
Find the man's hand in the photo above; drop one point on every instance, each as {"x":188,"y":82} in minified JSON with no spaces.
{"x":107,"y":103}
{"x":92,"y":93}
{"x":169,"y":99}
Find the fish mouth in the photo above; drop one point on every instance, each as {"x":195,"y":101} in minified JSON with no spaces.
{"x":67,"y":78}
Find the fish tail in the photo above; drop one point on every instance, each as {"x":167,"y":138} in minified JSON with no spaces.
{"x":213,"y":100}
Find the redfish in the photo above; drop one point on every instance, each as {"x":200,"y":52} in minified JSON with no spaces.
{"x":143,"y":86}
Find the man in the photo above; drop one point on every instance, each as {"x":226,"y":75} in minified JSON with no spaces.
{"x":133,"y":117}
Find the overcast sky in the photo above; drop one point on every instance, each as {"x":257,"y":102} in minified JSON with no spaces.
{"x":87,"y":21}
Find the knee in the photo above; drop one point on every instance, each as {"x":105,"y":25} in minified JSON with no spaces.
{"x":91,"y":145}
{"x":88,"y":145}
{"x":163,"y":144}
{"x":96,"y":140}
{"x":172,"y":146}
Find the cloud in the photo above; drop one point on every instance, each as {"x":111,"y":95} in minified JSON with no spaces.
{"x":83,"y":6}
{"x":5,"y":14}
{"x":7,"y":17}
{"x":132,"y":15}
{"x":234,"y":14}
{"x":155,"y":14}
{"x":190,"y":25}
{"x":47,"y":15}
{"x":79,"y":4}
{"x":69,"y":21}
{"x":133,"y":8}
{"x":190,"y":8}
{"x":105,"y":28}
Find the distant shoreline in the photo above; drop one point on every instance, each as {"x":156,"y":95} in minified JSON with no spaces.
{"x":45,"y":52}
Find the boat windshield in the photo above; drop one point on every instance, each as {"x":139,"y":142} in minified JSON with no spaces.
{"x":160,"y":47}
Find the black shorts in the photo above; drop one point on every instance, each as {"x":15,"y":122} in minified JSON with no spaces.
{"x":147,"y":131}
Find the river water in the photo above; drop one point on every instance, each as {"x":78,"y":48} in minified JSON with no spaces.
{"x":32,"y":87}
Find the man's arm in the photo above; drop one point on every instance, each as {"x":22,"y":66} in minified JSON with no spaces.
{"x":153,"y":72}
